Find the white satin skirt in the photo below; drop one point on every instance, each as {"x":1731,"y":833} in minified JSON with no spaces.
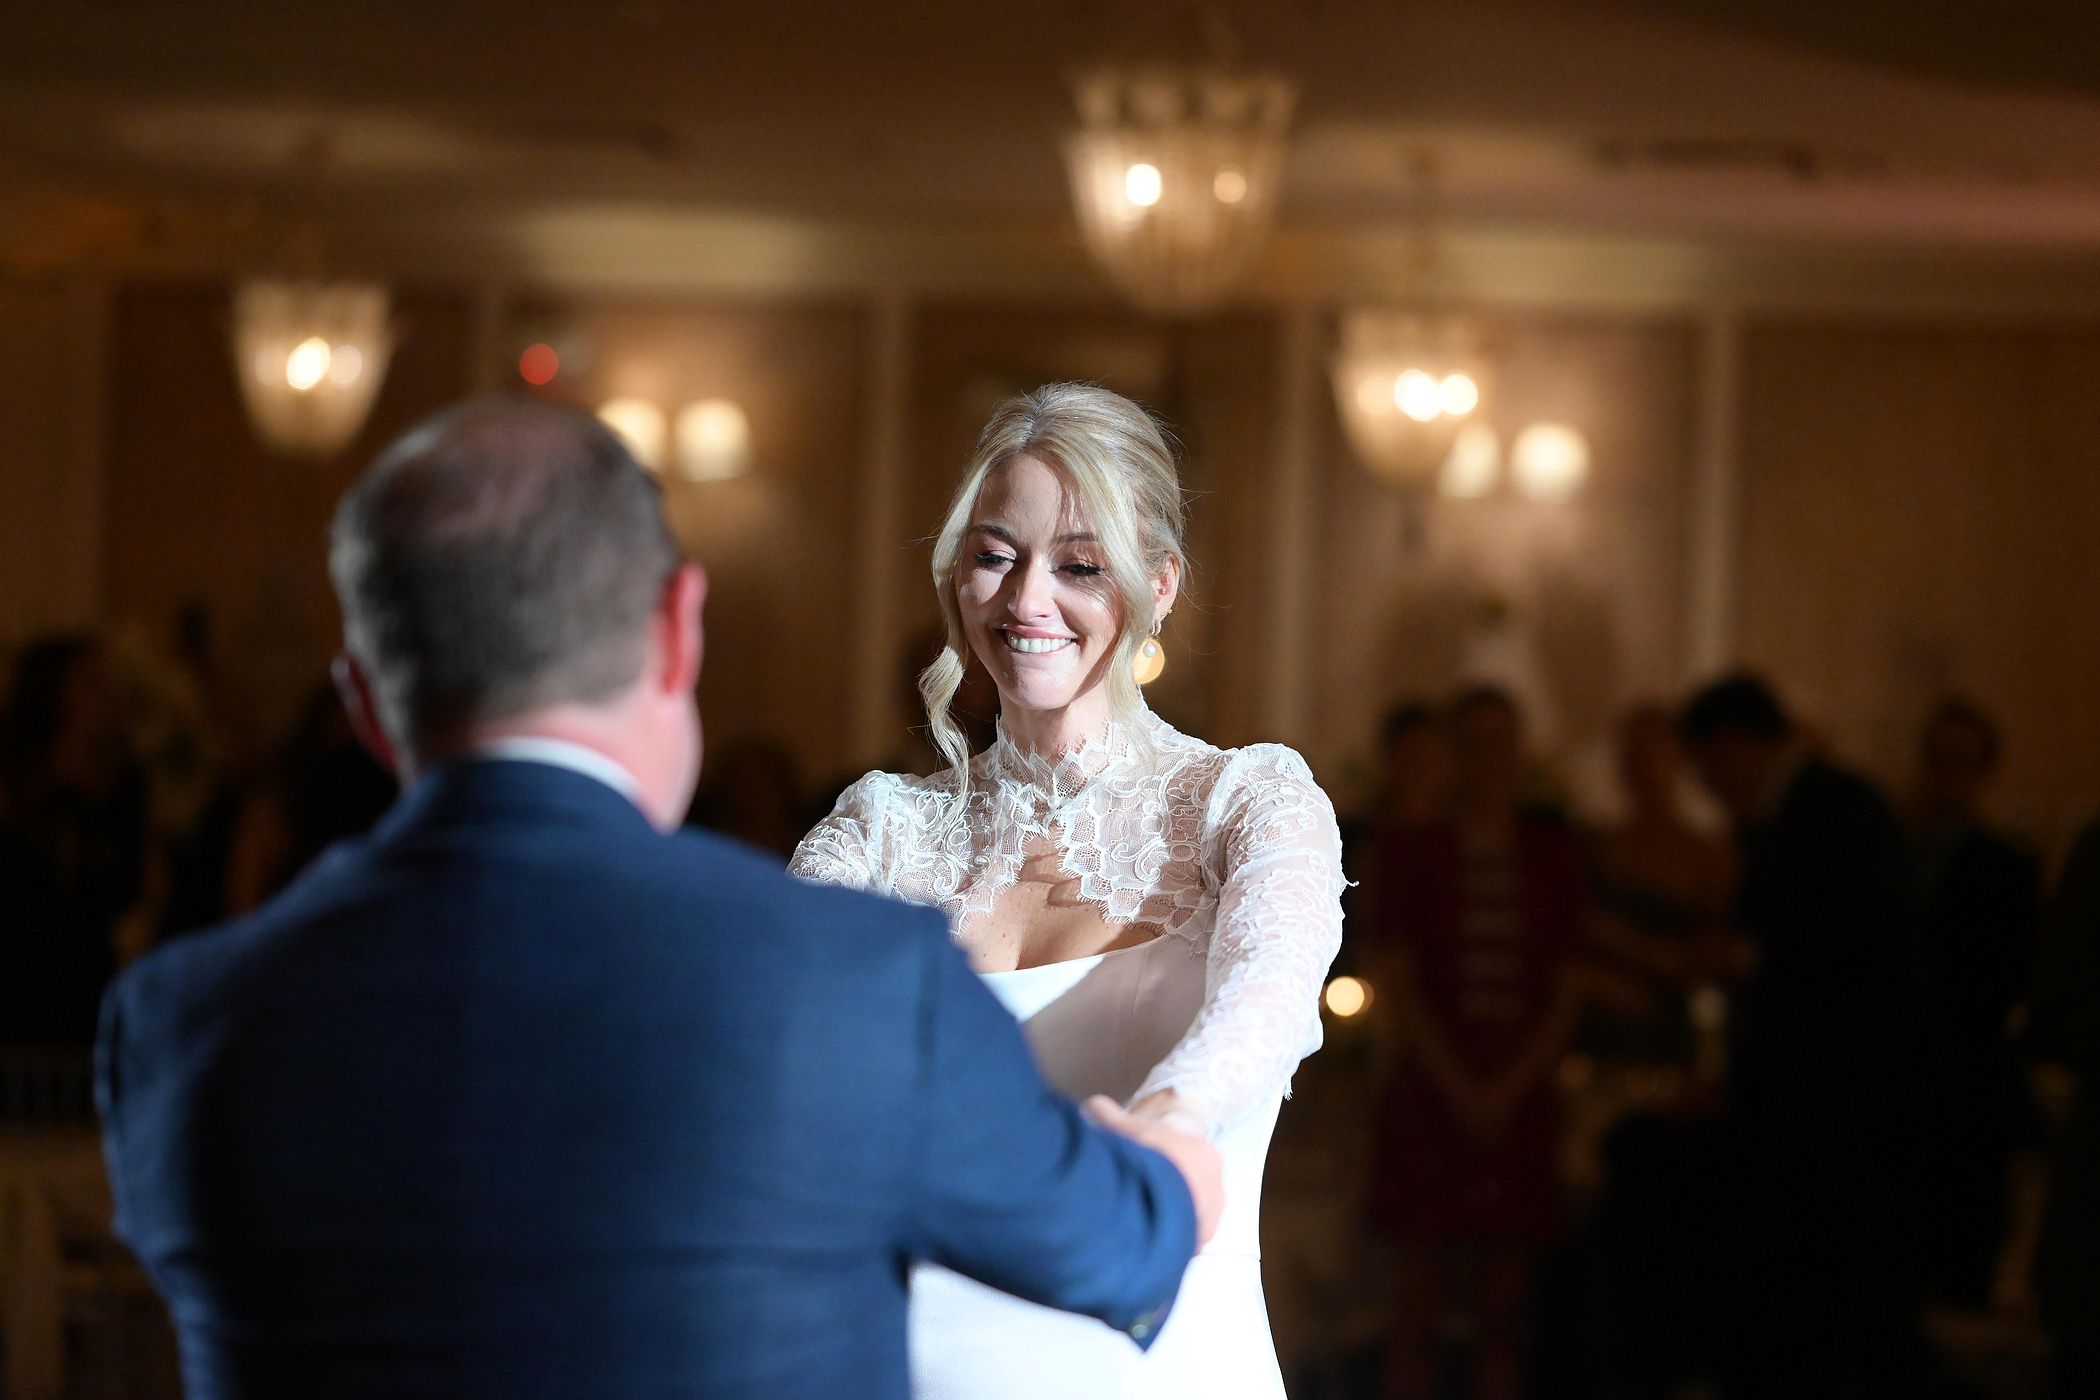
{"x":970,"y":1342}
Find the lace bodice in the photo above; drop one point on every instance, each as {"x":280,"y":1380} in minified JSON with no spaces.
{"x":1233,"y":850}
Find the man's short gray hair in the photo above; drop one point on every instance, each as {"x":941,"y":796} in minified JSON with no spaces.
{"x":502,"y":557}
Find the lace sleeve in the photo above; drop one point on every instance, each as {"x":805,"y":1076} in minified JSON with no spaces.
{"x":841,"y":849}
{"x":1279,"y":925}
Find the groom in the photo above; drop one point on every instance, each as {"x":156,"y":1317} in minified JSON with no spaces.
{"x":522,"y":1096}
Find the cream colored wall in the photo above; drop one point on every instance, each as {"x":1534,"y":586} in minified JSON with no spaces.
{"x":1575,"y":606}
{"x":51,"y":392}
{"x":1921,"y":513}
{"x":1915,"y":510}
{"x":195,"y":509}
{"x":786,"y":591}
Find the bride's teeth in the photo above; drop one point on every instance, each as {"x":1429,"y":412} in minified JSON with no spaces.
{"x":1036,"y":645}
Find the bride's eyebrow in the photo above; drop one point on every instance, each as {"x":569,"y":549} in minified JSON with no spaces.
{"x":1001,"y":532}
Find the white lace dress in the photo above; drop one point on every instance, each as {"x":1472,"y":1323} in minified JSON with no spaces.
{"x":1234,"y":856}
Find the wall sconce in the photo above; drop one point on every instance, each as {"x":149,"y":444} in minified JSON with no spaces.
{"x":710,"y":440}
{"x":640,"y":424}
{"x":310,"y":357}
{"x":1550,"y":462}
{"x":714,"y":441}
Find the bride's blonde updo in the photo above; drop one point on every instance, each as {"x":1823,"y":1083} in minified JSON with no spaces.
{"x":1121,"y":469}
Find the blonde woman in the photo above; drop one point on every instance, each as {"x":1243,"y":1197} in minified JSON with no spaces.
{"x":1159,"y":913}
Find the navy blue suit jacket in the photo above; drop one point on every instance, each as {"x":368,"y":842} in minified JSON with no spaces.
{"x":519,"y":1098}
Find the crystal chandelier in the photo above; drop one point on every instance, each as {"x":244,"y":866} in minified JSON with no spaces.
{"x":1406,"y":385}
{"x":310,"y":357}
{"x":1174,"y":173}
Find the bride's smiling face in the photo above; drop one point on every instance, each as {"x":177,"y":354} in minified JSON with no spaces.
{"x":1033,"y":588}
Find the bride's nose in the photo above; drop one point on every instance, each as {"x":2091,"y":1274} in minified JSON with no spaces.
{"x":1033,"y":595}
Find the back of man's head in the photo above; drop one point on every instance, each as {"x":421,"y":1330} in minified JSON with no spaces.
{"x":501,"y":558}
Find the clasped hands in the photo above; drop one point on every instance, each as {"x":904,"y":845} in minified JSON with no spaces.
{"x":1158,"y":1121}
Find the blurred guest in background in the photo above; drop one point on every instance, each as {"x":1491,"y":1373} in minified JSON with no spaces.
{"x":1475,"y":922}
{"x":2065,"y":1041}
{"x":754,"y":793}
{"x":74,"y":807}
{"x":1414,"y":781}
{"x":1658,"y":931}
{"x":1980,"y":900}
{"x":1662,"y":894}
{"x":322,"y":787}
{"x":1822,"y":1070}
{"x":1410,"y":789}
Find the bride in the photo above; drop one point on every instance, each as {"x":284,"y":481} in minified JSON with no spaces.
{"x":1159,"y":913}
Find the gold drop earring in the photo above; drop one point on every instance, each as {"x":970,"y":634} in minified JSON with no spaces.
{"x":1150,"y":661}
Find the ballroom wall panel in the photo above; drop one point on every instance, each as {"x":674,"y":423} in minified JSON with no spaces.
{"x":50,"y":472}
{"x":1574,"y":606}
{"x":780,"y":542}
{"x":1920,"y":511}
{"x":197,"y":510}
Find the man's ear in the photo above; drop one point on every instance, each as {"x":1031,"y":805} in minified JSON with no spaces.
{"x":354,"y":688}
{"x":681,"y":635}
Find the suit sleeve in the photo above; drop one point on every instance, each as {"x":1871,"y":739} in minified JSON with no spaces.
{"x":1016,"y":1189}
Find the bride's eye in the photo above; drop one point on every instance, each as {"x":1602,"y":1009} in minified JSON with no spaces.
{"x":991,"y":560}
{"x":1079,"y":568}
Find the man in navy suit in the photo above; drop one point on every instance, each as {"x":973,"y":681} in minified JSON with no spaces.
{"x":520,"y":1096}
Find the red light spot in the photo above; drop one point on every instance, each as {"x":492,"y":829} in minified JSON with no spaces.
{"x":539,"y":364}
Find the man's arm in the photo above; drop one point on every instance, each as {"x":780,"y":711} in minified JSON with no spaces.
{"x":1016,"y":1189}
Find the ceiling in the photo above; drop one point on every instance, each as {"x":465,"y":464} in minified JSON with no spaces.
{"x":1871,"y":124}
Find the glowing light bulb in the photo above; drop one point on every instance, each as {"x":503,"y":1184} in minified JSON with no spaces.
{"x":714,"y":440}
{"x":1142,"y":185}
{"x":1348,"y":996}
{"x":307,"y":365}
{"x":639,"y":424}
{"x":345,"y":364}
{"x":1230,"y":187}
{"x":1459,"y":394}
{"x":1475,"y":461}
{"x":1418,"y":395}
{"x":1550,"y":461}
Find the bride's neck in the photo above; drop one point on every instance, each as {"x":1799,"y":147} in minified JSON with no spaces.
{"x":1050,"y":733}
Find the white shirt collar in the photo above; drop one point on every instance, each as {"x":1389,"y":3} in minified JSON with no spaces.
{"x":560,"y":753}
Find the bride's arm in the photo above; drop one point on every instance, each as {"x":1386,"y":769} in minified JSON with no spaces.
{"x":840,"y":850}
{"x":1279,"y":925}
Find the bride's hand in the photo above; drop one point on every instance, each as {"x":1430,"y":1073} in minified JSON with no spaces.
{"x":1165,"y":1107}
{"x":1197,"y":1160}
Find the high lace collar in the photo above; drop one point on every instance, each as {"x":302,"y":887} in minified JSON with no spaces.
{"x":1116,"y":750}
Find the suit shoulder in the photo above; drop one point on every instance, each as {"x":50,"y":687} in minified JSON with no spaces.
{"x":729,"y":868}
